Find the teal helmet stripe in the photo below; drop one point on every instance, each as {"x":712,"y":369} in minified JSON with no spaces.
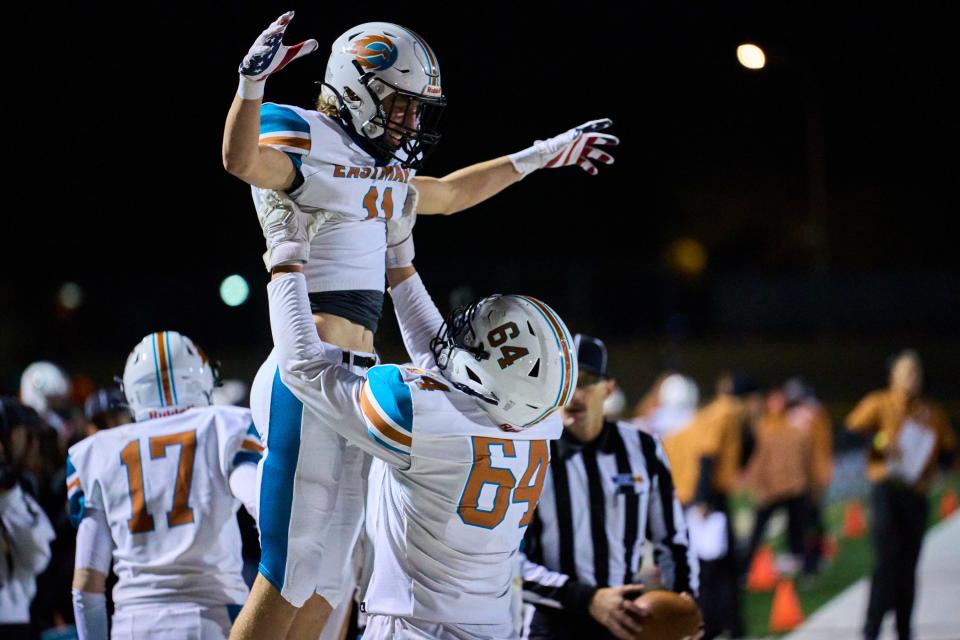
{"x":434,"y":71}
{"x":173,"y":378}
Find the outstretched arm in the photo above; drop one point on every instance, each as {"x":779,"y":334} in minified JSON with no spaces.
{"x":472,"y":185}
{"x":243,"y":156}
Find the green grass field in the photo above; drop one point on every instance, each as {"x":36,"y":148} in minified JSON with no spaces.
{"x":854,"y":560}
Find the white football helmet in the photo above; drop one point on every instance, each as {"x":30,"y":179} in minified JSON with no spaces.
{"x":677,"y":391}
{"x":166,"y":373}
{"x":40,"y":382}
{"x":512,"y":352}
{"x":369,"y":63}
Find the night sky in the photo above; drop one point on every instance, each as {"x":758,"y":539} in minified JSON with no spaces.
{"x":822,"y":188}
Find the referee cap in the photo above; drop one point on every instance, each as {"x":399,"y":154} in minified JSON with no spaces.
{"x":591,"y":355}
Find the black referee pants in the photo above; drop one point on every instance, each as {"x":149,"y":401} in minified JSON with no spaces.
{"x":899,"y":522}
{"x":551,"y":624}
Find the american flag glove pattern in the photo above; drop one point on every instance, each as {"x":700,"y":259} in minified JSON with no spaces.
{"x":268,"y":54}
{"x":576,"y":146}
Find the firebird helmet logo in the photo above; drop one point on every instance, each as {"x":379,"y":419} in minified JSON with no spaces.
{"x":374,"y":53}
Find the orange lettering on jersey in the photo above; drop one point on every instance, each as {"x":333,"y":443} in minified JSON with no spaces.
{"x":370,"y":203}
{"x":181,"y":512}
{"x":429,"y":384}
{"x":140,"y":521}
{"x":365,"y":172}
{"x":338,"y":171}
{"x":353,"y":172}
{"x":483,"y":472}
{"x":525,"y":492}
{"x":387,"y":204}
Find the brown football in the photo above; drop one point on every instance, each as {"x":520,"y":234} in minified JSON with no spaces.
{"x":671,"y":616}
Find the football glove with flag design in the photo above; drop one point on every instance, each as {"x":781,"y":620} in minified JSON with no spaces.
{"x":268,"y":55}
{"x":576,"y":146}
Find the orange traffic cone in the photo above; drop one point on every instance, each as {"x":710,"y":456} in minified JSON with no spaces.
{"x":763,"y":572}
{"x":854,"y":522}
{"x":786,"y":614}
{"x":948,"y":504}
{"x":830,"y":547}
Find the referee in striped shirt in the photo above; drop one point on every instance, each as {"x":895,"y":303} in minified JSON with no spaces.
{"x":608,"y":489}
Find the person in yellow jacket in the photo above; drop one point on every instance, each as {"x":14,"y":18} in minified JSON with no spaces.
{"x":706,"y":459}
{"x":908,"y":434}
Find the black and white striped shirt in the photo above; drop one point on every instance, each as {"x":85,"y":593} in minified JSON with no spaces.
{"x":599,"y":502}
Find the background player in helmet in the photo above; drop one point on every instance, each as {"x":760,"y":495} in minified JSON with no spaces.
{"x":464,"y":437}
{"x":352,"y":164}
{"x":160,"y":495}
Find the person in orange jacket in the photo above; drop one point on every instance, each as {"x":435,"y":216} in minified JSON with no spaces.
{"x":908,"y":434}
{"x":780,"y":473}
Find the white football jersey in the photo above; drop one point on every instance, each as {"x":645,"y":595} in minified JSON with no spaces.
{"x":344,"y":184}
{"x":449,"y":513}
{"x":163,"y":485}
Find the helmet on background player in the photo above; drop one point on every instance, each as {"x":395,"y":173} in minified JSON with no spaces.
{"x":378,"y":64}
{"x":41,"y":383}
{"x":166,"y":373}
{"x":512,"y":352}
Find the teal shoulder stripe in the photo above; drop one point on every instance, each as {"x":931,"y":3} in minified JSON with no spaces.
{"x":392,"y":394}
{"x":76,"y":506}
{"x":252,"y":431}
{"x":70,"y":468}
{"x":275,"y":117}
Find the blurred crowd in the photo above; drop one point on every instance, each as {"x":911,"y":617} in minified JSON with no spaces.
{"x":771,"y":442}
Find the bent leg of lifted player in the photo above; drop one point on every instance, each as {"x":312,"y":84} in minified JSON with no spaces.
{"x":299,"y":474}
{"x":343,"y":530}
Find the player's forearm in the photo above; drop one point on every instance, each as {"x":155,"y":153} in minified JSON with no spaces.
{"x":90,"y":613}
{"x":469,"y":186}
{"x":417,"y":316}
{"x":295,"y":337}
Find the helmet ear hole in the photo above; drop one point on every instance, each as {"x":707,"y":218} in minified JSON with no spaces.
{"x":473,"y":376}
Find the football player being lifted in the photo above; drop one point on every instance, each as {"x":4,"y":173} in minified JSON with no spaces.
{"x":352,"y":164}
